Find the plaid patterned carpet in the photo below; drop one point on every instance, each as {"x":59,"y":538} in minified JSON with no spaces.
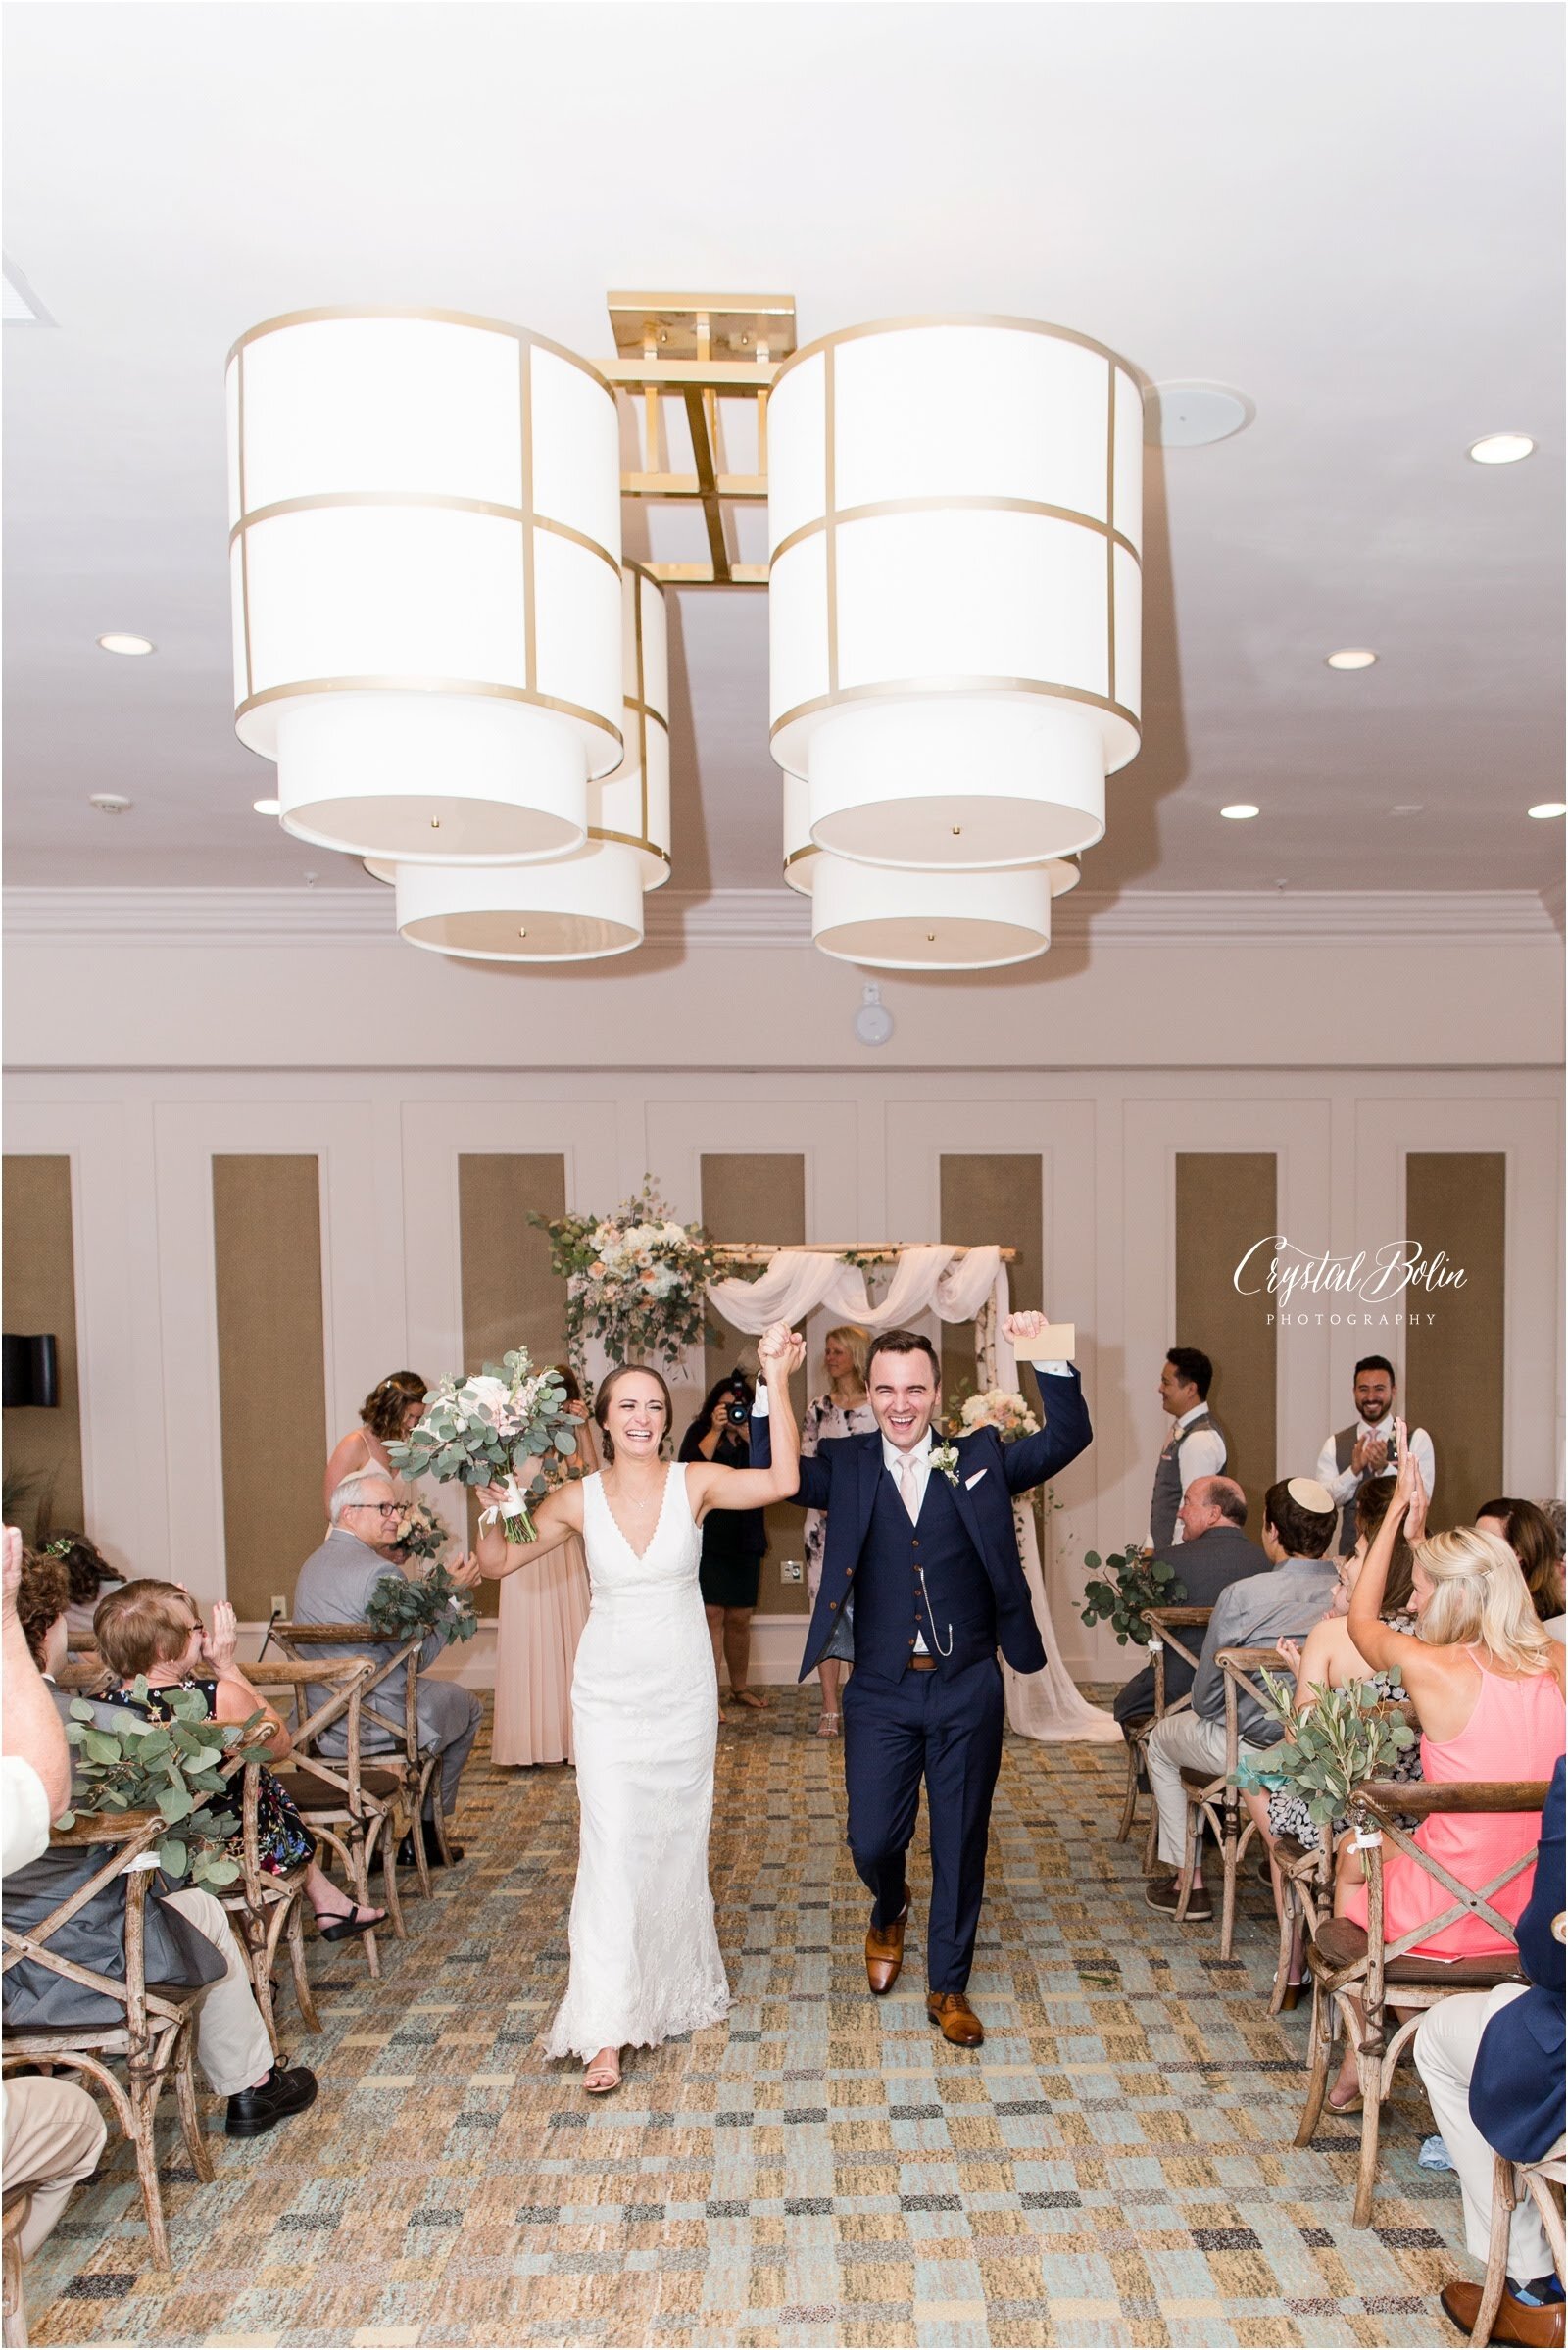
{"x":1113,"y":2167}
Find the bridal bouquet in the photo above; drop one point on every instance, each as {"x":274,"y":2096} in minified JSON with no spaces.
{"x":999,"y":1407}
{"x":637,"y":1280}
{"x":420,"y":1533}
{"x":496,"y":1428}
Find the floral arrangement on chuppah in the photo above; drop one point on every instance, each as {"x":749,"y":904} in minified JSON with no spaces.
{"x":498,"y":1424}
{"x":636,"y":1280}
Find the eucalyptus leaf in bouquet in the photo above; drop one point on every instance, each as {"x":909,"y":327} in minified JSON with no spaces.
{"x":174,"y":1767}
{"x":496,"y":1427}
{"x":405,"y":1608}
{"x":1136,"y":1583}
{"x":1342,"y":1740}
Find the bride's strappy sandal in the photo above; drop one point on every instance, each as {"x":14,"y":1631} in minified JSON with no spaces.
{"x":601,"y":2076}
{"x":827,"y":1725}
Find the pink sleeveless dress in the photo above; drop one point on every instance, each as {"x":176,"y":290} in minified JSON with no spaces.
{"x":1515,"y":1731}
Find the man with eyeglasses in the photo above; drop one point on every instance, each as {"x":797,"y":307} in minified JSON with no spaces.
{"x":334,"y":1586}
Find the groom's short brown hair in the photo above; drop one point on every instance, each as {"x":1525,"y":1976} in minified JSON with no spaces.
{"x":905,"y":1341}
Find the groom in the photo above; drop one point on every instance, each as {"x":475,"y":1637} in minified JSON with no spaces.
{"x":922,"y":1551}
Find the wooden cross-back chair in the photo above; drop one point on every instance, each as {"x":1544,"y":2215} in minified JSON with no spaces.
{"x":400,"y":1723}
{"x":1544,"y":2183}
{"x":1214,"y":1798}
{"x":1306,"y":1884}
{"x":268,"y":1908}
{"x":1384,"y":1972}
{"x":1166,"y":1627}
{"x":359,"y":1807}
{"x":154,"y":2033}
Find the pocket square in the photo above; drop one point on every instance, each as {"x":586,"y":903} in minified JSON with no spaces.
{"x":975,"y":1479}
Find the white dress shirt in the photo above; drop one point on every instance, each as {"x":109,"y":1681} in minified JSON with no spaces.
{"x":1344,"y":1488}
{"x":1200,"y":1456}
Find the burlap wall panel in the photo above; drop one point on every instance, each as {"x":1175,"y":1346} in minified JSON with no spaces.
{"x":1457,"y":1202}
{"x":509,"y":1296}
{"x":991,"y":1197}
{"x":267,"y":1255}
{"x":759,"y":1196}
{"x":1225,"y":1202}
{"x":43,"y":1449}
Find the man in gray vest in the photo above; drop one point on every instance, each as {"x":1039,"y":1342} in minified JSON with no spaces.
{"x":1195,"y":1446}
{"x":334,"y":1586}
{"x":1353,"y":1456}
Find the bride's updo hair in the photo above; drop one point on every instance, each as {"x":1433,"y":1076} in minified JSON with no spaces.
{"x":602,"y":1402}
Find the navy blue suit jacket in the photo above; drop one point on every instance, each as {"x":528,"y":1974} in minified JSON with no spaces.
{"x":1517,"y":2098}
{"x":842,"y":1478}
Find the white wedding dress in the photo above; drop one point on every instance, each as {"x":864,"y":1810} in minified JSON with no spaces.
{"x":645,"y":1958}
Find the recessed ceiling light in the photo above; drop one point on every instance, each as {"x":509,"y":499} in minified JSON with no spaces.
{"x":1501,"y":448}
{"x":1239,"y":811}
{"x":267,"y":807}
{"x":1550,"y":807}
{"x":1352,"y":656}
{"x":116,"y":643}
{"x":110,"y":804}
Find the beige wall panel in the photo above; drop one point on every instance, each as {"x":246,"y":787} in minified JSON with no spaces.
{"x":1226,"y":1201}
{"x":758,"y":1195}
{"x":43,"y":1449}
{"x":509,"y":1296}
{"x":1457,"y":1202}
{"x":267,"y":1258}
{"x":991,"y":1197}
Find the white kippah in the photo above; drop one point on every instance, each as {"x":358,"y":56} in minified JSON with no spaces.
{"x":1308,"y":1493}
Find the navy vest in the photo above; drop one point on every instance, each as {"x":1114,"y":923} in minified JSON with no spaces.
{"x":890,"y":1605}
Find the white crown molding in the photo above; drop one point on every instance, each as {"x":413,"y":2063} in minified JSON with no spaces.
{"x":731,"y":918}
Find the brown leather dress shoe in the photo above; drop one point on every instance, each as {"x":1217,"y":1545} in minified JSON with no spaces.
{"x":955,"y":2018}
{"x":883,"y":1952}
{"x":1517,"y":2321}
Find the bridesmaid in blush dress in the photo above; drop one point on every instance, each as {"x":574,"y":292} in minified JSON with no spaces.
{"x":542,"y":1615}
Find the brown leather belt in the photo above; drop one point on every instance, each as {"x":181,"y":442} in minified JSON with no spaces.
{"x":922,"y":1664}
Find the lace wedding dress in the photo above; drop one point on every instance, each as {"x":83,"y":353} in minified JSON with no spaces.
{"x":644,"y":1959}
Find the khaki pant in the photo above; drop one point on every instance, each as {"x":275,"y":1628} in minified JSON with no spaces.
{"x":1180,"y":1742}
{"x":1446,"y":2039}
{"x":54,"y":2134}
{"x":231,"y":2044}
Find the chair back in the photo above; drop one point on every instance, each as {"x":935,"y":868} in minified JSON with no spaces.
{"x":1375,"y":1813}
{"x":1166,"y":1626}
{"x":129,"y":1840}
{"x":294,"y":1638}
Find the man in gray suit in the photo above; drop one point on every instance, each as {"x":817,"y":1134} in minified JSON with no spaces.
{"x":1293,"y":1594}
{"x":1213,"y":1553}
{"x":334,"y":1586}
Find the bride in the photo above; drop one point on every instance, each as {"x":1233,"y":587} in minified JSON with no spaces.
{"x":645,"y":1960}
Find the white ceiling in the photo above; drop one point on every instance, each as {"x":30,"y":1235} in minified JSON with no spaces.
{"x":1351,"y":211}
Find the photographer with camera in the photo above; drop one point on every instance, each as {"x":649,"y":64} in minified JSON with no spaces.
{"x":734,"y":1542}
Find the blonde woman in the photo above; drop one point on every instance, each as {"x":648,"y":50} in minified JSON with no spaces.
{"x":842,"y":1411}
{"x":1487,"y":1682}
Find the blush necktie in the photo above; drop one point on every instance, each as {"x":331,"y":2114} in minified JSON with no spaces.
{"x":909,"y":1486}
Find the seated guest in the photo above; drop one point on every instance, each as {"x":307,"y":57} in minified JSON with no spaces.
{"x":1487,"y":1681}
{"x":1330,"y":1660}
{"x":390,"y":1411}
{"x":1290,"y":1596}
{"x":1212,"y":1553}
{"x":1492,"y":2065}
{"x":53,"y":2131}
{"x":189,"y":1941}
{"x":334,"y":1586}
{"x":91,"y":1575}
{"x":153,"y":1630}
{"x":1533,"y":1538}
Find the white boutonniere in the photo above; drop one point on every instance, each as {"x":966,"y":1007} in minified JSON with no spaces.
{"x":946,"y":1459}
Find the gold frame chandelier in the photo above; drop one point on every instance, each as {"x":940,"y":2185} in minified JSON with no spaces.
{"x":464,"y":679}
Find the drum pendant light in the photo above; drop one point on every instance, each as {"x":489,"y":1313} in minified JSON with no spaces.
{"x":424,"y":553}
{"x":924,"y":920}
{"x":590,"y":902}
{"x":954,"y":600}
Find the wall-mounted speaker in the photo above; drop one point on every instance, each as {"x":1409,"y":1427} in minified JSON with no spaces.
{"x":31,"y":1373}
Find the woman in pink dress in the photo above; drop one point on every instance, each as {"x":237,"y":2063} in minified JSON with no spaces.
{"x":541,"y":1618}
{"x":1487,"y":1683}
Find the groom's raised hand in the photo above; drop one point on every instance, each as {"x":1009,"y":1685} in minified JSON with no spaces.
{"x":1024,"y":1330}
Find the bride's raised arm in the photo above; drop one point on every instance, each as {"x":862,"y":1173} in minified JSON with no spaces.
{"x":712,"y":1487}
{"x":557,"y":1516}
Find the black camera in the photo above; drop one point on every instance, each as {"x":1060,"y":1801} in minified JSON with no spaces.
{"x":740,"y":1411}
